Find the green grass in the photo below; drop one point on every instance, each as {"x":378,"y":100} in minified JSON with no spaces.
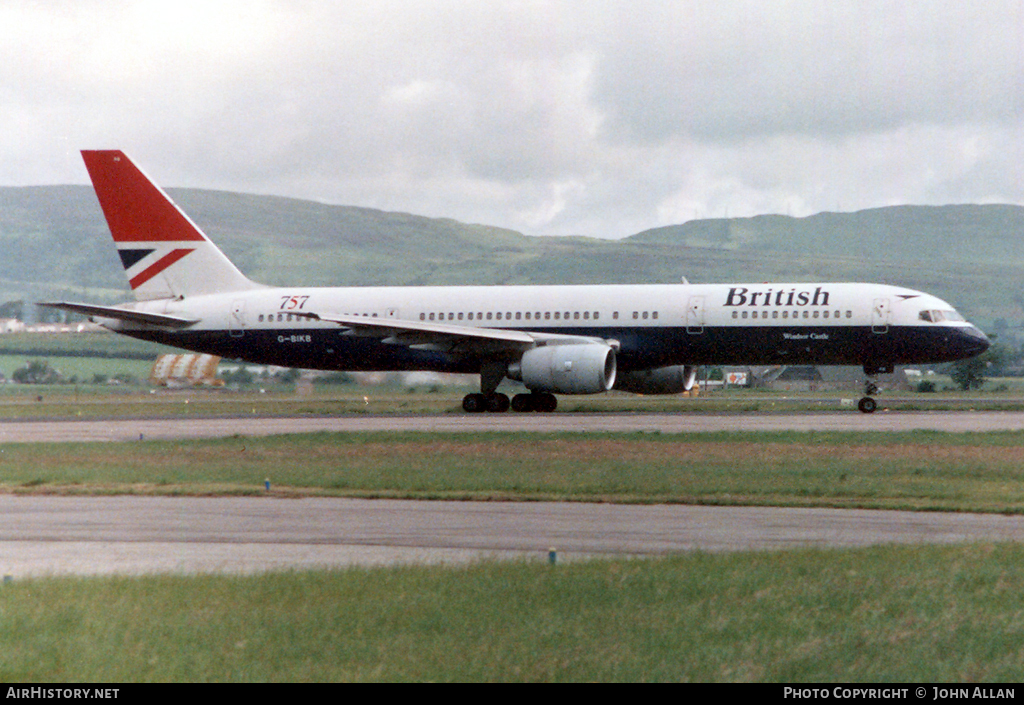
{"x":84,"y":400}
{"x":919,"y":470}
{"x":886,"y":614}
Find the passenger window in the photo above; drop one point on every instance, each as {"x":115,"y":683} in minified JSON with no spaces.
{"x":490,"y":315}
{"x":753,"y":314}
{"x":654,"y":315}
{"x":547,"y":315}
{"x":460,"y":316}
{"x":576,"y":316}
{"x":586,"y":315}
{"x":498,"y":315}
{"x":735,"y":314}
{"x":597,"y":314}
{"x":815,"y":314}
{"x":558,"y":315}
{"x":825,"y":314}
{"x":849,"y":314}
{"x":807,"y":314}
{"x":615,"y":315}
{"x":775,"y":314}
{"x":785,"y":314}
{"x":645,"y":315}
{"x":744,"y":314}
{"x":636,"y":315}
{"x":519,"y":315}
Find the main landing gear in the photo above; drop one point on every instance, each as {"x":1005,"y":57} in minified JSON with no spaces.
{"x":490,"y":399}
{"x":497,"y":402}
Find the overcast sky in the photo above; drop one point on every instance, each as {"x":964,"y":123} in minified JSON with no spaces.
{"x":588,"y":117}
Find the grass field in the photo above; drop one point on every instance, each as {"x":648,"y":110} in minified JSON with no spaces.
{"x":884,"y":614}
{"x":919,"y":470}
{"x":887,"y":614}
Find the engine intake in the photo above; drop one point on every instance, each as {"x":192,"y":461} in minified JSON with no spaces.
{"x":661,"y":380}
{"x":587,"y":368}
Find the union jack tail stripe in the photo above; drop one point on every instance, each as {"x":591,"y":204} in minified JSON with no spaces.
{"x":157,"y":267}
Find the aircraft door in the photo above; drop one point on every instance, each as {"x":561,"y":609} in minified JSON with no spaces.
{"x":236,"y":322}
{"x":695,"y":315}
{"x":881,"y":314}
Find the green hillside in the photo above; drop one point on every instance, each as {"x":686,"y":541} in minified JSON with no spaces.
{"x":55,"y":244}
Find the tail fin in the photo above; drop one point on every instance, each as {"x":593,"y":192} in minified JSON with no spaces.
{"x":165,"y":254}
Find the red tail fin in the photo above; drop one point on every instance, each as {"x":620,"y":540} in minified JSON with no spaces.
{"x":163,"y":252}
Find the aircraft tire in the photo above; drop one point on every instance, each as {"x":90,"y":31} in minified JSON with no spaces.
{"x":867,"y":405}
{"x":474,"y":403}
{"x":523,"y":403}
{"x":545,"y":403}
{"x":497,"y":403}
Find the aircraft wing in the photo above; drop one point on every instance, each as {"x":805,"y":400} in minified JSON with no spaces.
{"x":444,"y":337}
{"x":122,"y":314}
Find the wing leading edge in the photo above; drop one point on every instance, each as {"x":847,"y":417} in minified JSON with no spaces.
{"x":444,"y":337}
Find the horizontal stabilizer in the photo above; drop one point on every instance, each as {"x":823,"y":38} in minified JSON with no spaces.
{"x":122,"y":314}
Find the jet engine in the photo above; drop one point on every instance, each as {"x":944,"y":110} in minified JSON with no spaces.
{"x":588,"y":368}
{"x":661,"y":380}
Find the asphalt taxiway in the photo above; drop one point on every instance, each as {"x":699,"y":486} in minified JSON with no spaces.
{"x":44,"y":535}
{"x":203,"y":427}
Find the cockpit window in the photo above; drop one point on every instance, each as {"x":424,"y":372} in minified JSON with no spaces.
{"x":940,"y":316}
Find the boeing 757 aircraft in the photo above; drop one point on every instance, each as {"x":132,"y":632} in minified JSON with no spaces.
{"x":647,"y":339}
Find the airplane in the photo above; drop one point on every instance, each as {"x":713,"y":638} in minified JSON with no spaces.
{"x":582,"y":339}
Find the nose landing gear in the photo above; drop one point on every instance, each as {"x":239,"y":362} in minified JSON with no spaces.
{"x":867,"y":404}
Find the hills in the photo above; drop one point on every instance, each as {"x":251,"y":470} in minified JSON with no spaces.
{"x":54,"y":243}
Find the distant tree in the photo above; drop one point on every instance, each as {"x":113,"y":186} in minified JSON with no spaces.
{"x":241,"y":377}
{"x":290,"y":376}
{"x":36,"y":372}
{"x":970,"y":373}
{"x":13,"y":309}
{"x":334,"y":378}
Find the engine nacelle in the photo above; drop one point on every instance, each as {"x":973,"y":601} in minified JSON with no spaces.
{"x":588,"y":368}
{"x":661,"y":380}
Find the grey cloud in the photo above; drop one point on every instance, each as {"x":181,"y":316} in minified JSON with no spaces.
{"x":553,"y":117}
{"x":751,"y":68}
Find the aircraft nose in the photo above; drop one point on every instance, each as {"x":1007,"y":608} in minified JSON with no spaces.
{"x":973,"y":341}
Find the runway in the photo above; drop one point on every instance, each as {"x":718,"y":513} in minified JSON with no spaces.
{"x":202,"y":427}
{"x":44,"y":535}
